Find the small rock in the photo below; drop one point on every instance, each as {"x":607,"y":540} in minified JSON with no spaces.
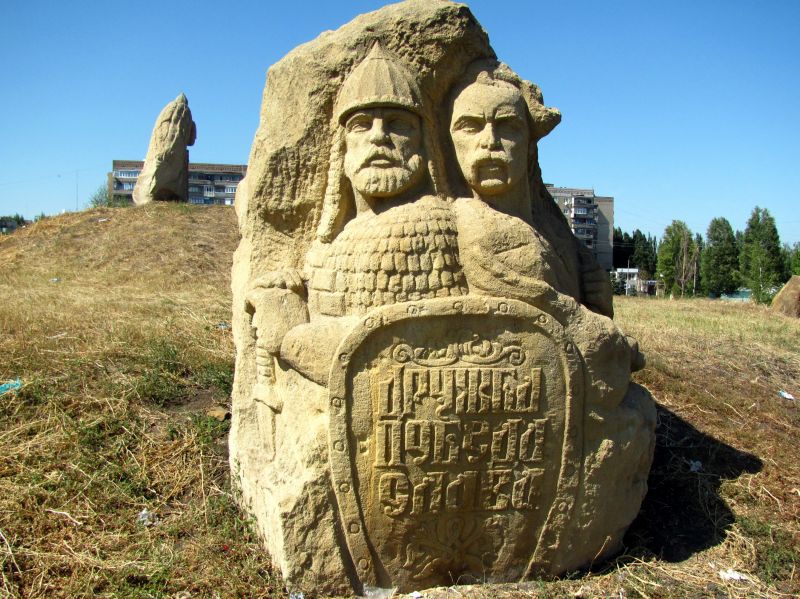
{"x":218,"y":413}
{"x":146,"y":518}
{"x":731,"y":574}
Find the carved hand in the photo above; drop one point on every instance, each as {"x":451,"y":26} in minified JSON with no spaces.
{"x":597,"y":292}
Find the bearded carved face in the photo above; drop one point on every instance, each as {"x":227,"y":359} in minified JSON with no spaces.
{"x":383,"y":157}
{"x":491,"y":137}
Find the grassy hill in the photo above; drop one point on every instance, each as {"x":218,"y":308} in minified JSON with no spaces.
{"x":113,"y":472}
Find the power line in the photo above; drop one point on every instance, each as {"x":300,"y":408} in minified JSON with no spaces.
{"x":63,"y":174}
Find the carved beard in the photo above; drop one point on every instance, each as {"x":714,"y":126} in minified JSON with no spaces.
{"x":385,"y":182}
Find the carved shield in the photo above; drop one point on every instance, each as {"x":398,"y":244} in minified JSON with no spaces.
{"x":455,"y":441}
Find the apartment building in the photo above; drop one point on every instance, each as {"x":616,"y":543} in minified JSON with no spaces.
{"x":591,"y":218}
{"x":208,"y":183}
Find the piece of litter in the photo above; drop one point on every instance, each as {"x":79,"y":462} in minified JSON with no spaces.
{"x":297,"y":595}
{"x":415,"y":594}
{"x":146,"y":518}
{"x":786,"y":394}
{"x":10,"y":386}
{"x":55,"y":280}
{"x":103,"y":220}
{"x":223,"y":326}
{"x":731,"y":574}
{"x":379,"y":593}
{"x":695,"y":466}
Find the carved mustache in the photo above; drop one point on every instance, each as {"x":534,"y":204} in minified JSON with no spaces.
{"x":491,"y":158}
{"x":394,"y":158}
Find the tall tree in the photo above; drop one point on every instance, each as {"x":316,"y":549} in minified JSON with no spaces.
{"x":761,"y":259}
{"x":697,"y":257}
{"x":678,"y":259}
{"x":720,"y":261}
{"x":644,"y":256}
{"x":794,"y":258}
{"x":623,"y":249}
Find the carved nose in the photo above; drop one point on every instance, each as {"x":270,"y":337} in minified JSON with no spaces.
{"x":489,"y":139}
{"x":378,"y":133}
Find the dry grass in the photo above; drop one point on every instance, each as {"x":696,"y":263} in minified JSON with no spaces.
{"x":121,"y":358}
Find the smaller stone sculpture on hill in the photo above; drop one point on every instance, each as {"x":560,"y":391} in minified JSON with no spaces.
{"x":165,"y":175}
{"x":788,"y":299}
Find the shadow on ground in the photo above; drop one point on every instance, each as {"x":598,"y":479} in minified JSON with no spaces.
{"x":683,"y":512}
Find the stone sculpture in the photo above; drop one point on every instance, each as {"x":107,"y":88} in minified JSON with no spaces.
{"x":165,"y":174}
{"x":429,"y":388}
{"x":787,"y":300}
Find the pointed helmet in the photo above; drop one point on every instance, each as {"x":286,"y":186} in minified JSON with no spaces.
{"x":379,"y":80}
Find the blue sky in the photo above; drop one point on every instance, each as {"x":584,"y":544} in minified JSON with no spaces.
{"x":680,"y":110}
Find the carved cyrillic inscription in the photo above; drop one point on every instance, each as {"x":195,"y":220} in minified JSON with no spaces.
{"x":488,"y":490}
{"x":460,"y":390}
{"x":456,"y":429}
{"x":447,"y":442}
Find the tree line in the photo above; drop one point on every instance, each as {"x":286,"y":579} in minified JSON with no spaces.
{"x":688,"y":264}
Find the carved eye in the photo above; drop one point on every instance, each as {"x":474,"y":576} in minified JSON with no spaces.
{"x":511,"y":125}
{"x":359,"y":123}
{"x":468,"y":125}
{"x":400,"y":125}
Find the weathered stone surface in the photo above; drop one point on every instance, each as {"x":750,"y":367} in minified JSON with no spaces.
{"x":787,"y":301}
{"x":165,"y":174}
{"x":429,"y":387}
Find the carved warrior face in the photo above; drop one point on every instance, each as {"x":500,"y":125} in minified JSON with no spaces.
{"x":383,"y":151}
{"x":491,"y":137}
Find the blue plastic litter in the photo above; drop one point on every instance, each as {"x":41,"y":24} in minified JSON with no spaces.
{"x":10,"y":386}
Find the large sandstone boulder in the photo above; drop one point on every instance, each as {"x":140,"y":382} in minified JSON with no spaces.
{"x":165,"y":174}
{"x":788,"y":299}
{"x":428,"y":386}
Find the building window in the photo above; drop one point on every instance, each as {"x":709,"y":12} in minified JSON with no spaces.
{"x":230,"y":189}
{"x":194,"y":189}
{"x":208,"y":191}
{"x":127,"y":174}
{"x":580,"y":210}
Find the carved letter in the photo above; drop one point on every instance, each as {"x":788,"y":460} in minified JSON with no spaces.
{"x":532,"y":449}
{"x":474,"y":432}
{"x":528,"y":392}
{"x":525,"y":488}
{"x":393,"y":490}
{"x":460,"y":375}
{"x":418,"y":501}
{"x":446,"y":399}
{"x":387,"y":444}
{"x":494,"y":491}
{"x":504,"y":442}
{"x":418,"y":440}
{"x":460,"y":494}
{"x":445,"y":442}
{"x":390,"y":394}
{"x":472,"y":398}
